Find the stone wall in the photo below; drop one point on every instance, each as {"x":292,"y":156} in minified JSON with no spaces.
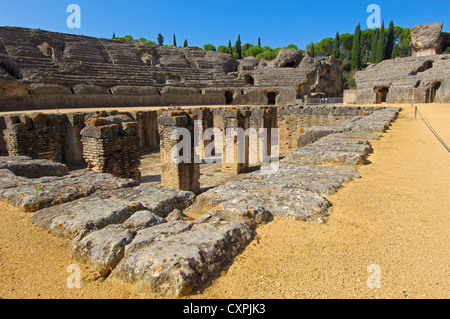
{"x":112,"y":146}
{"x":37,"y":135}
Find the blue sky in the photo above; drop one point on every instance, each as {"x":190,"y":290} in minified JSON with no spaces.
{"x":277,"y":22}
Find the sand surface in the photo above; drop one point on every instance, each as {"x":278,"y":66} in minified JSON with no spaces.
{"x":395,"y":217}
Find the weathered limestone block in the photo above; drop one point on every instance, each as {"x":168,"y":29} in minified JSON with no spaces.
{"x":323,"y":180}
{"x":427,"y":39}
{"x":336,"y":151}
{"x":241,"y":200}
{"x":31,"y":194}
{"x":32,"y":168}
{"x":180,"y":263}
{"x":77,"y":218}
{"x":179,"y":168}
{"x":310,"y":135}
{"x":103,"y":249}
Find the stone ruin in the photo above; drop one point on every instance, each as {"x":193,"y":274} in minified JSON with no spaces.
{"x":422,"y":78}
{"x":41,"y":70}
{"x":142,"y":234}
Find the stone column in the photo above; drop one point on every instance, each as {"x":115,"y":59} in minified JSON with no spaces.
{"x":112,"y":147}
{"x":262,"y":120}
{"x":237,"y":122}
{"x":148,"y":129}
{"x":205,"y":118}
{"x":178,"y":167}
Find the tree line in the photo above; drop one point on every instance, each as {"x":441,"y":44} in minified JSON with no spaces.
{"x":238,"y":50}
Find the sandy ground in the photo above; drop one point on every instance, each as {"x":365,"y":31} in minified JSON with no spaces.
{"x":395,"y":217}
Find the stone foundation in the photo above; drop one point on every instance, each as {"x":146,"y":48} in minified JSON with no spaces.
{"x":112,"y":146}
{"x":38,"y":136}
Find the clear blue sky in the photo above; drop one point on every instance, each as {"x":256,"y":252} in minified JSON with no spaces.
{"x":277,"y":22}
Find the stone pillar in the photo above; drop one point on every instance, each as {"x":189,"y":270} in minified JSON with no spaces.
{"x":286,"y":125}
{"x":178,"y":167}
{"x":204,"y":117}
{"x":39,"y":136}
{"x":148,"y":129}
{"x":3,"y":148}
{"x":237,"y":121}
{"x":112,"y":146}
{"x":74,"y":147}
{"x":262,"y":118}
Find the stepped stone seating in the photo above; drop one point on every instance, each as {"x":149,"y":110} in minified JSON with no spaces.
{"x":41,"y":69}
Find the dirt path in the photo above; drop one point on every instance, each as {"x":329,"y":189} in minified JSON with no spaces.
{"x":395,"y":217}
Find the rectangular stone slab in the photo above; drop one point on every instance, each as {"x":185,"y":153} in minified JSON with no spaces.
{"x":181,"y":263}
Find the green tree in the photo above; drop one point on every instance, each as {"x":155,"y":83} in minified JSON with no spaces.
{"x":390,"y":41}
{"x":381,"y":47}
{"x":292,"y":46}
{"x":374,"y":46}
{"x":259,"y":41}
{"x":185,"y":44}
{"x":141,"y":39}
{"x":174,"y":40}
{"x":238,"y":48}
{"x":128,"y":38}
{"x":209,"y":47}
{"x":356,"y":48}
{"x":245,"y":47}
{"x":223,"y":49}
{"x":160,"y":39}
{"x":253,"y":51}
{"x":336,"y":46}
{"x":324,"y":47}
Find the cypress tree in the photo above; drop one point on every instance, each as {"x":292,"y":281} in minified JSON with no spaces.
{"x":390,"y":41}
{"x":185,"y":44}
{"x":336,"y":46}
{"x":259,"y":41}
{"x":160,"y":39}
{"x":381,"y":48}
{"x":114,"y":35}
{"x":374,"y":46}
{"x":238,"y":47}
{"x":230,"y":48}
{"x":356,"y":48}
{"x":313,"y":50}
{"x":174,"y":40}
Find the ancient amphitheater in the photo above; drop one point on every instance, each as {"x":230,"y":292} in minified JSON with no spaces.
{"x":168,"y":230}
